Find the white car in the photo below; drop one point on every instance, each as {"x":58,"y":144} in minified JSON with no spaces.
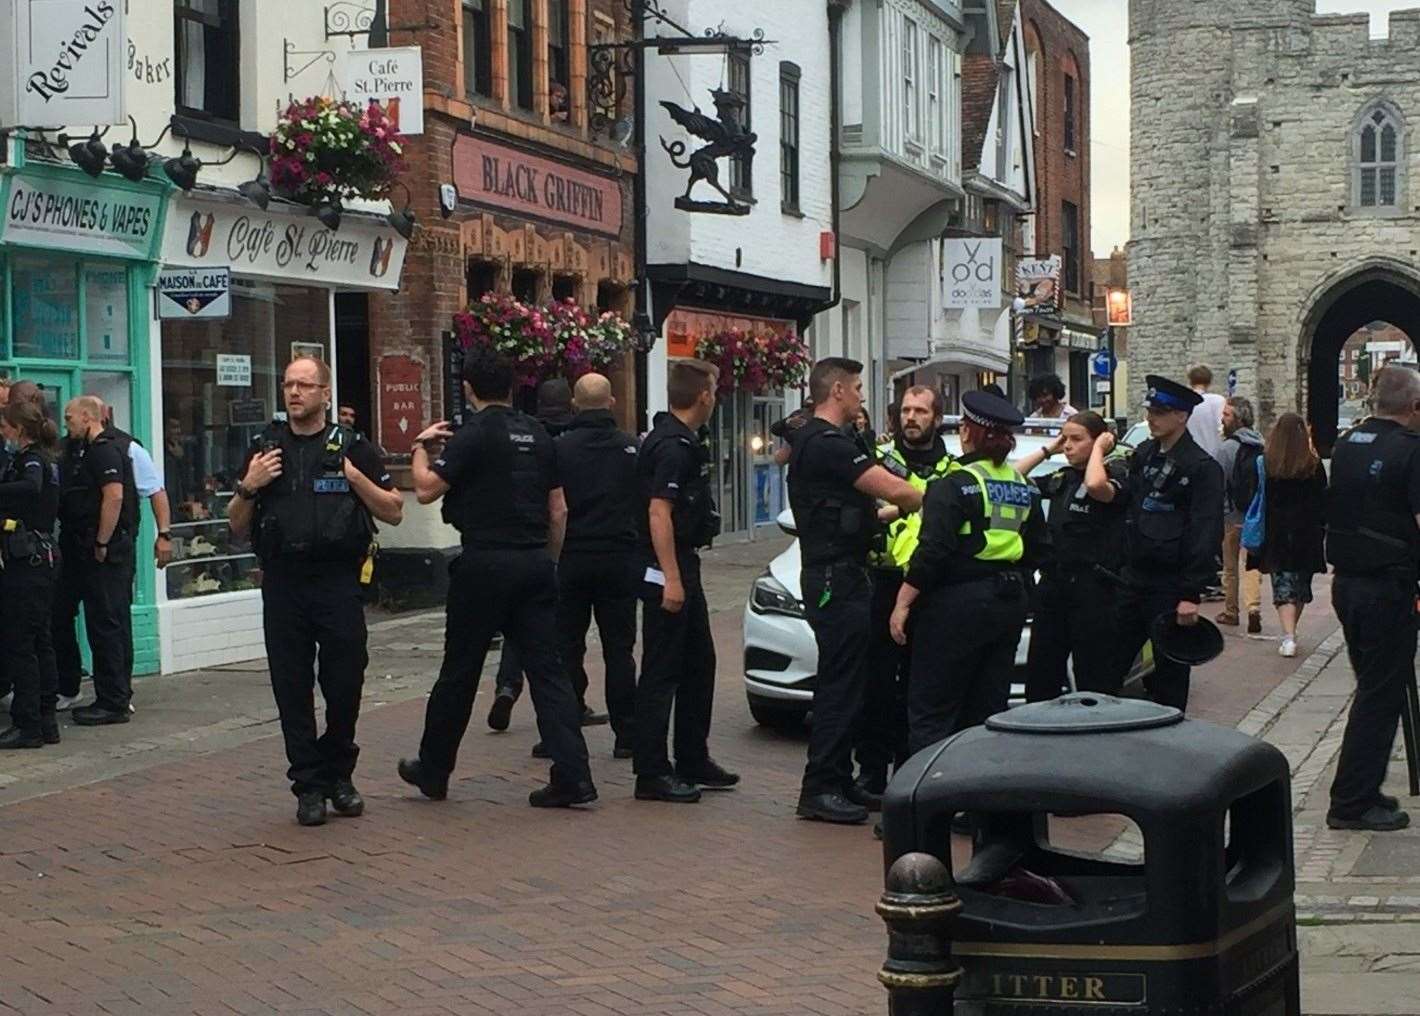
{"x":780,"y":655}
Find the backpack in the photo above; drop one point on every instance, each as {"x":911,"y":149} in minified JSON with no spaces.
{"x":1254,"y":529}
{"x":1242,"y":485}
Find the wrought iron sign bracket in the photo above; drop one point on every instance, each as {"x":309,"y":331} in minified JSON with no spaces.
{"x":349,"y":20}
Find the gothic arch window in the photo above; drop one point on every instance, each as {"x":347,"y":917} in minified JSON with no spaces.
{"x":1376,"y":148}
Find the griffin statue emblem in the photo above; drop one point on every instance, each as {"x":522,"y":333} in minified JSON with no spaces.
{"x":725,"y":137}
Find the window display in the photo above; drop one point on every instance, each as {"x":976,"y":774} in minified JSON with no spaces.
{"x":221,"y":386}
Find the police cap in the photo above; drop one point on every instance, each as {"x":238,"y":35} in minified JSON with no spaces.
{"x":1190,"y":645}
{"x":1166,"y":394}
{"x":991,"y":411}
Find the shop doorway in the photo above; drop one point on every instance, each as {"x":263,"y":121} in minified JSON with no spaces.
{"x":748,"y":485}
{"x":352,"y":358}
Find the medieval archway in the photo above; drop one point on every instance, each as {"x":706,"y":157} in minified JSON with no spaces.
{"x":1376,"y":293}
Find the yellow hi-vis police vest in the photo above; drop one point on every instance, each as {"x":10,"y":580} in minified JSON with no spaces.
{"x":900,"y":540}
{"x":1007,"y":500}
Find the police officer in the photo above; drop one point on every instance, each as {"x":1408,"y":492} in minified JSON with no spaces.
{"x":677,"y":517}
{"x":918,"y":456}
{"x":966,"y":586}
{"x":29,"y":506}
{"x":1173,"y":527}
{"x":308,"y":490}
{"x":1373,"y":542}
{"x":98,"y":524}
{"x":502,"y":490}
{"x":832,"y":483}
{"x":1074,"y":608}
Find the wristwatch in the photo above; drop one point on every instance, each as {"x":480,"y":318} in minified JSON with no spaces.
{"x":245,"y":493}
{"x":165,"y":534}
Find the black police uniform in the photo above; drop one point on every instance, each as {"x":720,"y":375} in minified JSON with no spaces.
{"x":312,"y":534}
{"x":29,"y":507}
{"x":678,"y":652}
{"x":836,"y":524}
{"x":501,"y":466}
{"x":104,"y":588}
{"x":966,"y":622}
{"x":1173,"y":527}
{"x":1374,"y":545}
{"x":4,"y":674}
{"x":1074,"y":613}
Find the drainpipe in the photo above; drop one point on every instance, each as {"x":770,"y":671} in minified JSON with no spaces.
{"x":835,"y":153}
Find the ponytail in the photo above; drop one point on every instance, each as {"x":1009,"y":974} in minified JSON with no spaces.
{"x":996,"y":445}
{"x":30,"y":419}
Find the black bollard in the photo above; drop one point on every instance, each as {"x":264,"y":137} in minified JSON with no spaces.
{"x":918,"y":905}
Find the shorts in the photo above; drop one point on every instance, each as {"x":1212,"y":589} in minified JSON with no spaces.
{"x":1291,"y":587}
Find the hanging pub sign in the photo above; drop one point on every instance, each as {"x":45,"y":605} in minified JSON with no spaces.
{"x":63,"y":63}
{"x":186,"y":293}
{"x":1038,"y":284}
{"x":392,"y":77}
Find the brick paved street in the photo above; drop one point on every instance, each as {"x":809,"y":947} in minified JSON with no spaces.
{"x":184,"y":886}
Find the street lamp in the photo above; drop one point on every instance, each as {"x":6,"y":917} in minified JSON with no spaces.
{"x":1119,"y":313}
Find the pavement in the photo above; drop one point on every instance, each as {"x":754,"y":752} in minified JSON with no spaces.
{"x":156,"y":867}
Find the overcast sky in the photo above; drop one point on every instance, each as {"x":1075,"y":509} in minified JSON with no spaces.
{"x":1106,"y":23}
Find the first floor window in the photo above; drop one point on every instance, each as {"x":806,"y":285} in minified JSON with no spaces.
{"x":1070,"y":242}
{"x":1377,"y":160}
{"x":477,"y":48}
{"x":205,"y":43}
{"x":789,"y":137}
{"x":520,"y":59}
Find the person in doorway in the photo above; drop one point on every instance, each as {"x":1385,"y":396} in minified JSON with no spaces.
{"x":1294,"y":522}
{"x":1047,"y":395}
{"x":1239,"y":455}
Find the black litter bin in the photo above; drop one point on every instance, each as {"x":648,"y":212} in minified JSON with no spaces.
{"x":1203,"y":923}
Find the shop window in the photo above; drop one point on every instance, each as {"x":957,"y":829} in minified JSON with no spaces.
{"x":741,"y":166}
{"x":559,"y":70}
{"x":1070,"y":242}
{"x":564,"y":287}
{"x":526,"y":284}
{"x":106,"y":312}
{"x":208,"y":53}
{"x":116,"y":389}
{"x":45,"y":308}
{"x":482,"y":279}
{"x":208,"y":426}
{"x":789,"y":137}
{"x":520,"y":57}
{"x":477,"y":47}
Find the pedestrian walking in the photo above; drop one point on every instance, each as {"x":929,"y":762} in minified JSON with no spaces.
{"x":915,"y":453}
{"x":98,"y":527}
{"x":1238,"y":455}
{"x":1074,"y":608}
{"x":677,"y":517}
{"x":1294,"y":522}
{"x":29,"y":508}
{"x":1173,"y":527}
{"x":502,"y":490}
{"x":1373,"y":543}
{"x":964,"y":597}
{"x":309,"y":489}
{"x":832,"y":483}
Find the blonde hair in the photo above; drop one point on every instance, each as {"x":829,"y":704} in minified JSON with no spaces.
{"x":322,"y":368}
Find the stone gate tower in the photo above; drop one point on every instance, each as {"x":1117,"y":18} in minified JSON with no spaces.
{"x":1265,"y":219}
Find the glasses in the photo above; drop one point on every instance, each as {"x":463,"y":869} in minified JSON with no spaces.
{"x":301,"y":386}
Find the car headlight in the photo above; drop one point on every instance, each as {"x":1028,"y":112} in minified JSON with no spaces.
{"x":768,"y":596}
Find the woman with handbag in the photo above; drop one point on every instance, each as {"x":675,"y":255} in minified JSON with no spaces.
{"x":1291,"y":501}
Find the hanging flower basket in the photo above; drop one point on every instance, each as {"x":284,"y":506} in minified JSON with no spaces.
{"x":323,"y":149}
{"x":559,"y":340}
{"x":755,"y":361}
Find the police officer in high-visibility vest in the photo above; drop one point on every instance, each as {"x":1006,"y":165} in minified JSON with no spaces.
{"x":965,"y":592}
{"x":307,"y":494}
{"x":917,"y":455}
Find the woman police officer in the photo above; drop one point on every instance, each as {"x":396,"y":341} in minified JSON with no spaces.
{"x":982,"y":530}
{"x":29,"y":503}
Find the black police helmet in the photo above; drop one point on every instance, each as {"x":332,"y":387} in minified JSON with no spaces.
{"x":1190,"y":645}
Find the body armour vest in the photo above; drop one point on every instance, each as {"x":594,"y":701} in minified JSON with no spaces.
{"x":694,"y":515}
{"x":309,"y":511}
{"x":1006,"y":501}
{"x":1370,"y":528}
{"x":836,"y":523}
{"x":503,"y":502}
{"x":80,"y":501}
{"x":899,"y":539}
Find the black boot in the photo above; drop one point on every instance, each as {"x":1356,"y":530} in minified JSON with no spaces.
{"x":346,"y":800}
{"x":416,"y":774}
{"x":310,"y":808}
{"x":501,"y":712}
{"x":49,"y":728}
{"x":708,"y":773}
{"x":17,"y":738}
{"x":831,"y":808}
{"x":563,"y":795}
{"x":666,"y":788}
{"x":866,"y":792}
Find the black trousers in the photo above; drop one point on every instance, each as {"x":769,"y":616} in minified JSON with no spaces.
{"x":1377,"y":614}
{"x":964,"y":639}
{"x":106,"y":592}
{"x":677,"y":672}
{"x":513,"y":591}
{"x":1074,"y":618}
{"x":838,"y":600}
{"x":315,"y":612}
{"x":881,"y":739}
{"x":27,"y":591}
{"x":1137,"y":608}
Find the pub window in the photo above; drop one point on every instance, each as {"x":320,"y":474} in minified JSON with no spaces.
{"x":558,"y":66}
{"x":564,"y":287}
{"x":1378,"y":161}
{"x":1070,"y":221}
{"x":741,"y":166}
{"x":526,"y":284}
{"x":482,"y":279}
{"x":205,"y":41}
{"x":477,"y":48}
{"x":520,"y":57}
{"x":789,"y":137}
{"x":613,"y":297}
{"x":1070,"y":113}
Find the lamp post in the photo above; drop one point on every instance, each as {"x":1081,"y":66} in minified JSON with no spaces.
{"x":1119,"y":313}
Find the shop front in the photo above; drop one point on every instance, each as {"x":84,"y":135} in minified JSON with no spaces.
{"x":1063,"y":348}
{"x":77,"y":258}
{"x":221,"y":354}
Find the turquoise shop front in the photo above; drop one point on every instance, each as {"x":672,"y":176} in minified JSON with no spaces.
{"x":78,"y":258}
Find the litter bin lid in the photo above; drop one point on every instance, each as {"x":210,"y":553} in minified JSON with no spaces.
{"x":1084,"y":713}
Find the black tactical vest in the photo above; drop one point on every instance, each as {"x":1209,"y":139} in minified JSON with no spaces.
{"x":80,"y":500}
{"x":1370,"y":527}
{"x":309,"y":511}
{"x":502,"y":502}
{"x":836,"y":523}
{"x":1083,"y":532}
{"x":27,"y":520}
{"x":694,"y":515}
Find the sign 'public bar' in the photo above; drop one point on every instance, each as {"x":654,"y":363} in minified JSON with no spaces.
{"x":505,"y":178}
